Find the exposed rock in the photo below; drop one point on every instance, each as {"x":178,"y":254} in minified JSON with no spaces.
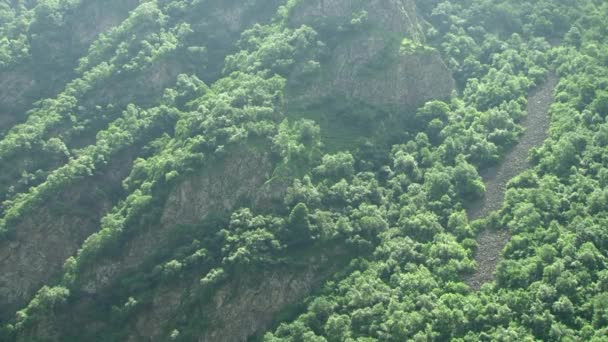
{"x":242,"y":307}
{"x":399,"y":82}
{"x":50,"y":234}
{"x":213,"y":190}
{"x":491,"y":243}
{"x":101,"y":17}
{"x":239,"y":177}
{"x":12,"y":83}
{"x":395,"y":16}
{"x":24,"y":83}
{"x":367,"y":65}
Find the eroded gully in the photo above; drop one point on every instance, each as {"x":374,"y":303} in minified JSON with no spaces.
{"x":536,"y":124}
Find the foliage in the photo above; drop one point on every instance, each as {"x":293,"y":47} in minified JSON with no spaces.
{"x":396,"y":210}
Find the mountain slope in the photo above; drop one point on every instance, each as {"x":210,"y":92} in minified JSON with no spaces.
{"x":296,"y":170}
{"x":86,"y":187}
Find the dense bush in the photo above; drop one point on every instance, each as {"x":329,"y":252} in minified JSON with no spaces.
{"x":399,"y":211}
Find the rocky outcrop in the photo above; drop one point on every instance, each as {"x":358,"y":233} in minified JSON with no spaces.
{"x":367,"y":63}
{"x":238,"y":178}
{"x":243,"y":306}
{"x":395,"y":83}
{"x":215,"y":189}
{"x":101,"y":18}
{"x":46,"y":237}
{"x":14,"y":85}
{"x":247,"y":306}
{"x":55,"y":231}
{"x":394,"y":16}
{"x":24,"y":83}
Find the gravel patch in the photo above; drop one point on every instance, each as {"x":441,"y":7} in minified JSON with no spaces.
{"x":536,"y":124}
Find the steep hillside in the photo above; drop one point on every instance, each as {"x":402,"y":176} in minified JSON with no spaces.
{"x":536,"y":124}
{"x":284,"y":170}
{"x":69,"y":196}
{"x":365,"y":61}
{"x":56,"y":33}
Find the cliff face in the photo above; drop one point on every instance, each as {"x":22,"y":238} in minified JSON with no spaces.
{"x":245,"y":307}
{"x":42,"y":242}
{"x":215,"y":190}
{"x":368,"y":63}
{"x":239,"y":308}
{"x":395,"y":16}
{"x":61,"y":46}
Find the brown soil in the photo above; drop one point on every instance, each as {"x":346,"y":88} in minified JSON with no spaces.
{"x":491,"y":242}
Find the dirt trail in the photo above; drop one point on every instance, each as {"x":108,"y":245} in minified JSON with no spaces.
{"x":496,"y":178}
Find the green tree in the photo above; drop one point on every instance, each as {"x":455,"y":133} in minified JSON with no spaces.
{"x":299,"y":227}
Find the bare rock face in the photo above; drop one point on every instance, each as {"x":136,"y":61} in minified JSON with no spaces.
{"x":24,"y":83}
{"x":53,"y":232}
{"x":13,"y":84}
{"x":103,"y":17}
{"x":397,"y":16}
{"x":37,"y":254}
{"x":215,"y":189}
{"x":242,"y":307}
{"x":239,"y":177}
{"x":366,"y":63}
{"x":247,"y":307}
